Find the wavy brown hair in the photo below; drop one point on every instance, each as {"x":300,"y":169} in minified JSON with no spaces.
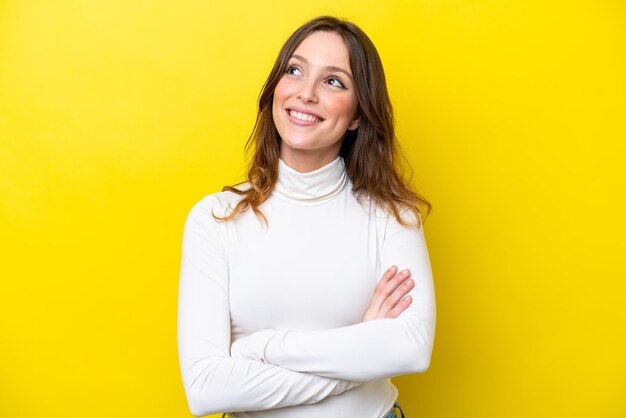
{"x":371,"y":152}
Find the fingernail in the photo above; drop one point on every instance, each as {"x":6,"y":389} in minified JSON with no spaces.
{"x":405,"y":272}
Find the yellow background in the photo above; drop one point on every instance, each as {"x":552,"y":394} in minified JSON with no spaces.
{"x":117,"y":116}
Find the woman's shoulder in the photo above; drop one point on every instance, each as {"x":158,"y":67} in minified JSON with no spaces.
{"x":382,"y":210}
{"x":387,"y":216}
{"x":219,"y":203}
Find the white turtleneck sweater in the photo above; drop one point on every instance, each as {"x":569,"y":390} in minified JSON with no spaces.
{"x":292,"y":297}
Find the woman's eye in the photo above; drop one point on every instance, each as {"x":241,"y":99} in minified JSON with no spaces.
{"x":335,"y":82}
{"x":293,"y":70}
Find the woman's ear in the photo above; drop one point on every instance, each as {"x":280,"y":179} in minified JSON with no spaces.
{"x":354,"y":124}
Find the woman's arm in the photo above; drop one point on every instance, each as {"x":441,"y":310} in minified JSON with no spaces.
{"x":369,"y":350}
{"x":213,"y":381}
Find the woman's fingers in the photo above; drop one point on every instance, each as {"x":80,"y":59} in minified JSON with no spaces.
{"x":396,"y":298}
{"x":389,"y":288}
{"x":379,"y":295}
{"x":400,"y":291}
{"x":400,"y":307}
{"x":382,"y":291}
{"x":387,"y":301}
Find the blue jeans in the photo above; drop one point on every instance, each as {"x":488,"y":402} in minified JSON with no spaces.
{"x":390,"y":414}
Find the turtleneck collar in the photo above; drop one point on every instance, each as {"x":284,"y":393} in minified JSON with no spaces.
{"x":314,"y":187}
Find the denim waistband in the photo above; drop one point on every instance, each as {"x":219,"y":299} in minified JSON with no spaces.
{"x":390,"y":414}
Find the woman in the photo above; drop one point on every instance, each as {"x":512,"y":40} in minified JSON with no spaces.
{"x":297,"y":268}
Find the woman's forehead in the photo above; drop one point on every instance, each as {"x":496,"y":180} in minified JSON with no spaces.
{"x":324,"y":49}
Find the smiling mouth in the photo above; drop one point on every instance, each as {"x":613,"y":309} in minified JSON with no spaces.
{"x":304,"y":117}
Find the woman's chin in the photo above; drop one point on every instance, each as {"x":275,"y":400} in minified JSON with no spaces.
{"x":299,"y":146}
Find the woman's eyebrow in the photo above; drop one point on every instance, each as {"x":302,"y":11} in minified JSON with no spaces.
{"x":330,"y":67}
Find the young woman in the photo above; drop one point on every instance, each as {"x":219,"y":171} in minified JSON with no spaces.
{"x":304,"y":290}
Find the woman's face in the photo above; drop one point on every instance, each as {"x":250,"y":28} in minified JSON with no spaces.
{"x":315,"y":102}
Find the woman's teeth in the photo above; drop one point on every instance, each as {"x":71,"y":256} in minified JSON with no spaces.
{"x":303,"y":116}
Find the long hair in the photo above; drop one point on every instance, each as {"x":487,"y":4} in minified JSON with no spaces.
{"x":371,"y":152}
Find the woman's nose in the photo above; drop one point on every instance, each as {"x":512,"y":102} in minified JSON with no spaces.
{"x":308,"y":93}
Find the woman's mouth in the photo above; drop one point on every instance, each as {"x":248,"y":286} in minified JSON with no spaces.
{"x":306,"y":118}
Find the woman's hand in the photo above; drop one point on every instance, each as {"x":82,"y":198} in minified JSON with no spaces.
{"x":389,"y":298}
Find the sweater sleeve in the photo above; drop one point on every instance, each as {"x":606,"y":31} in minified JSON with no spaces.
{"x":370,"y":350}
{"x":213,"y":381}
